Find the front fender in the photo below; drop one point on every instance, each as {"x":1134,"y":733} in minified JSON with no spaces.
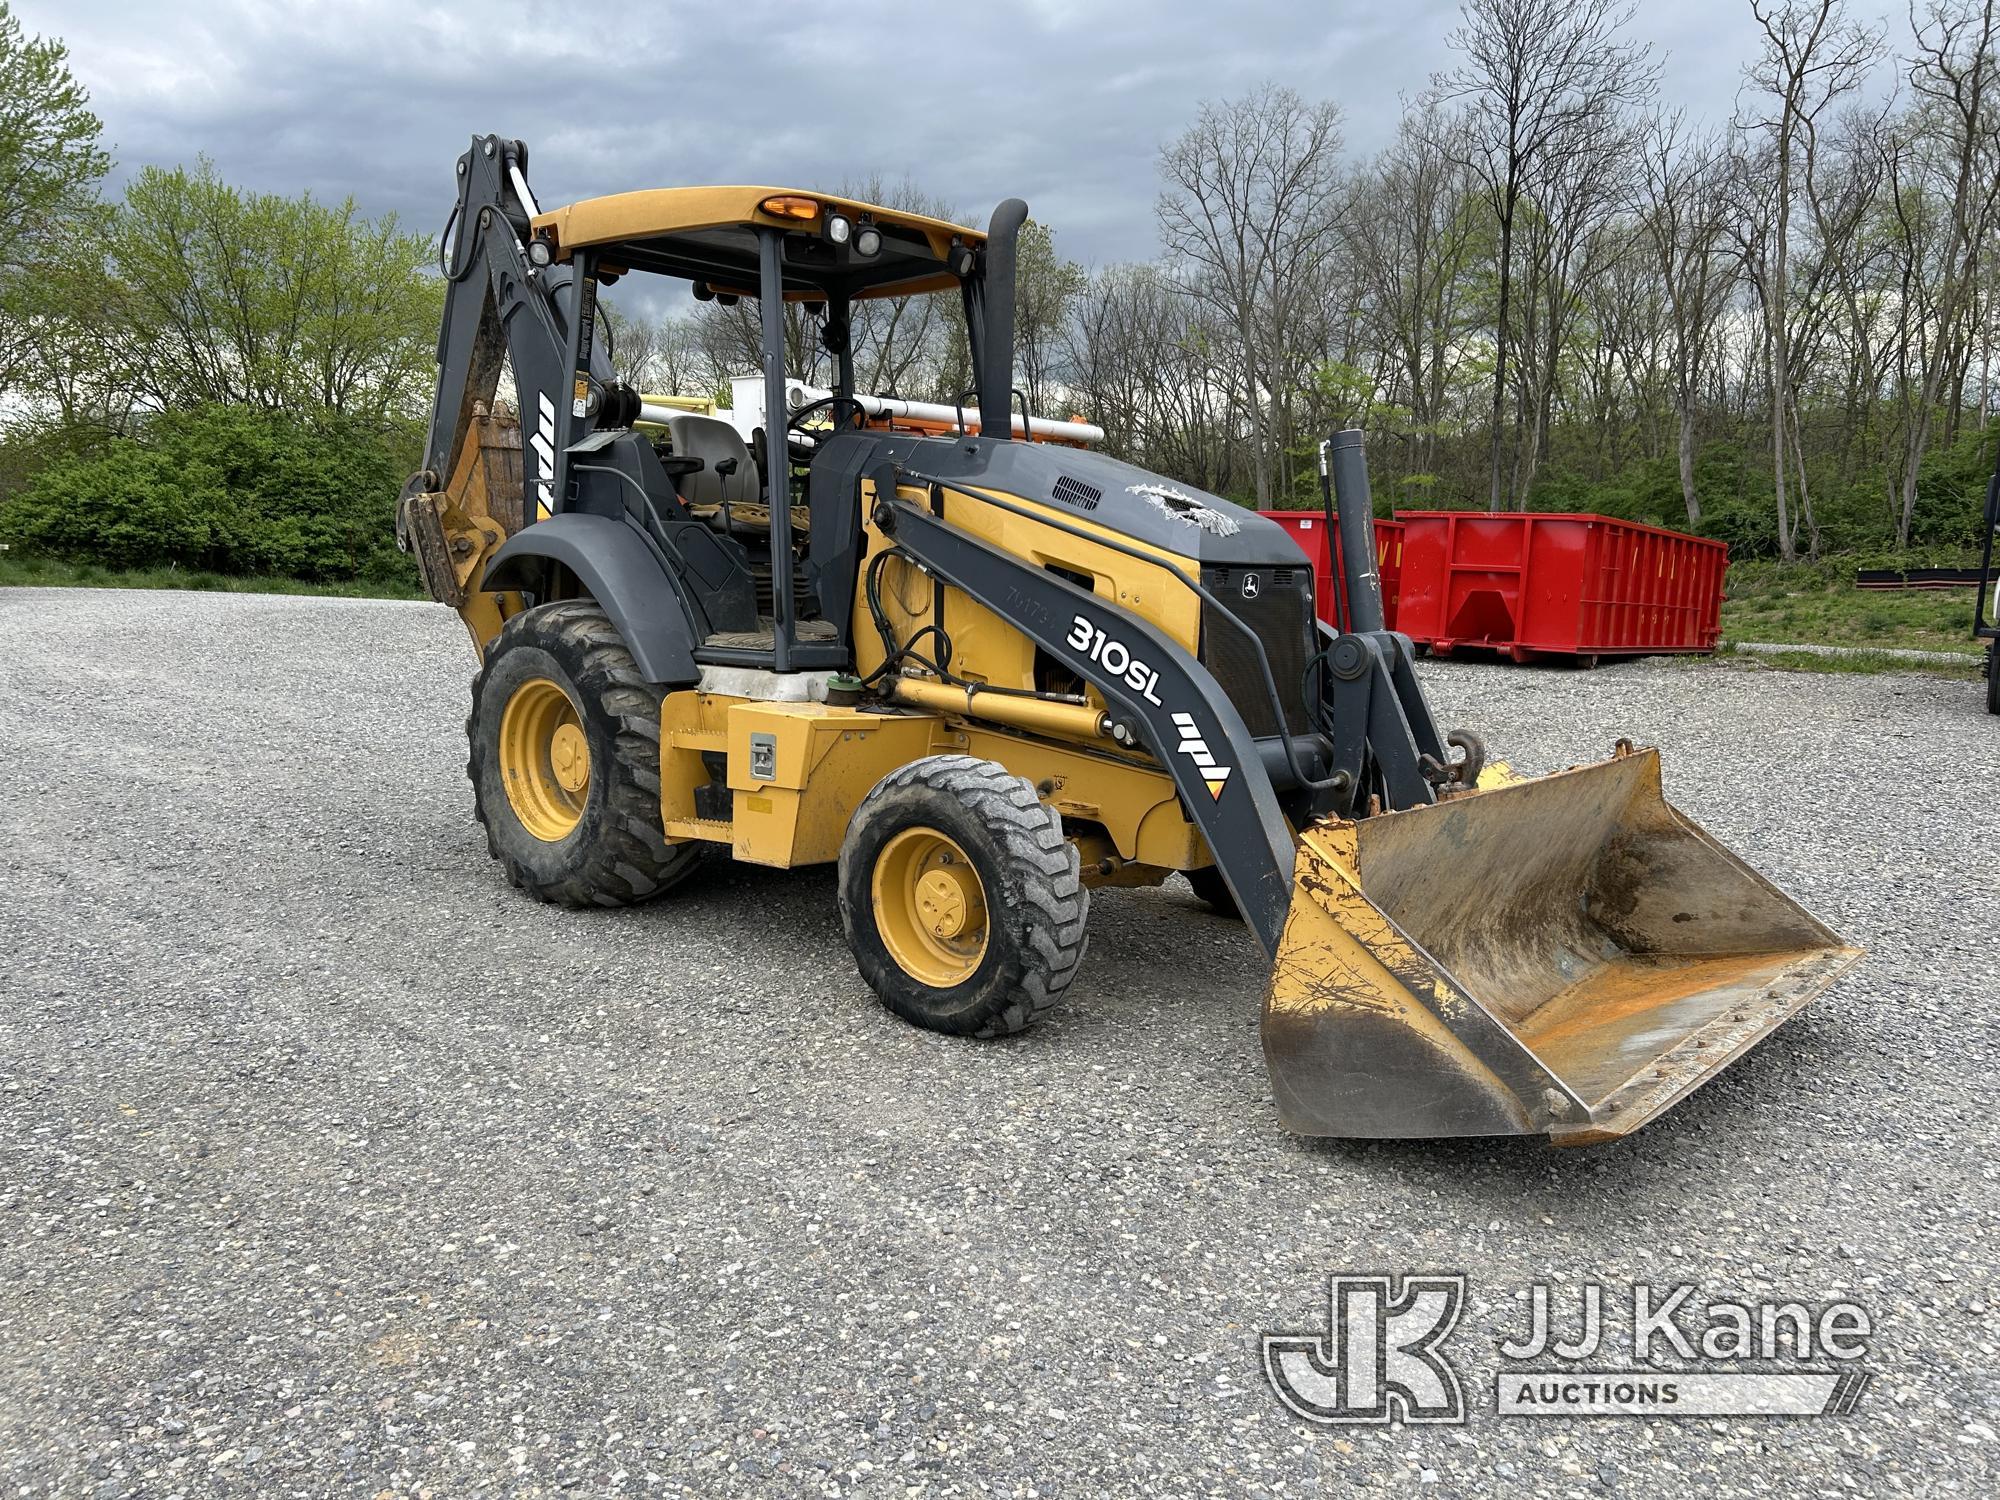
{"x":614,"y":563}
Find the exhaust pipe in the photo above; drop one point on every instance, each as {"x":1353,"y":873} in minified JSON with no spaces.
{"x":1344,"y":469}
{"x":996,"y":374}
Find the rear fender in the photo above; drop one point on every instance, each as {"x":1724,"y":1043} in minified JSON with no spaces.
{"x":620,"y":570}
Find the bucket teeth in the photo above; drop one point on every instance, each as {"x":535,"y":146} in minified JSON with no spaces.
{"x":1566,"y":955}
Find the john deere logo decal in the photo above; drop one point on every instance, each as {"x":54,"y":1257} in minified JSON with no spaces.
{"x":1195,"y":748}
{"x":1251,"y":584}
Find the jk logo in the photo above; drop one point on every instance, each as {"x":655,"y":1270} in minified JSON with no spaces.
{"x":1378,"y":1359}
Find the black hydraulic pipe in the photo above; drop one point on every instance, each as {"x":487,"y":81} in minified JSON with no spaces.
{"x":996,"y":354}
{"x":1347,"y":466}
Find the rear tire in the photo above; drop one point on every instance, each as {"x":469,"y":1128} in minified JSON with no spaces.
{"x":961,"y":899}
{"x":565,"y":762}
{"x":1213,"y":890}
{"x":1993,"y":677}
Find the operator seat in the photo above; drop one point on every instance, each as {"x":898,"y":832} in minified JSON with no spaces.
{"x":715,"y":442}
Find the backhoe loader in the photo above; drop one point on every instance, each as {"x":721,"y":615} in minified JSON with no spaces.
{"x":984,"y":674}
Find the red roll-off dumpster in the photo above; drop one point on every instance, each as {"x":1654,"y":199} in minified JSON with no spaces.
{"x":1535,"y":585}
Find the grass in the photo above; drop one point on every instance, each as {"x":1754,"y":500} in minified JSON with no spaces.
{"x":1865,"y":662}
{"x":1818,"y":605}
{"x":41,"y":572}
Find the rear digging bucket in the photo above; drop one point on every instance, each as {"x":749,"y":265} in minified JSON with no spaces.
{"x":1567,"y":955}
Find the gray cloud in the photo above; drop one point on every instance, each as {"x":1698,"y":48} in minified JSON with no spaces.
{"x":1063,"y":102}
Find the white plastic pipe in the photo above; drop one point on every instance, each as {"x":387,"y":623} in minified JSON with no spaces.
{"x":747,"y":414}
{"x":658,"y":409}
{"x":797,"y":396}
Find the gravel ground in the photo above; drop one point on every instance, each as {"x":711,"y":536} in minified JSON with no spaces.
{"x":332,"y":1166}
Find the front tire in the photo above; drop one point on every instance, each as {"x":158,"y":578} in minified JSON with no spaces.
{"x":565,"y":762}
{"x":961,"y":899}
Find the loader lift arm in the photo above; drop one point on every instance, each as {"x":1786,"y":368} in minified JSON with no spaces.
{"x":1183,"y":718}
{"x":1440,"y":1011}
{"x":1375,"y":726}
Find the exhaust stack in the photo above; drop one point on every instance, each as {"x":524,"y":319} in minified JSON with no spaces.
{"x":996,"y":373}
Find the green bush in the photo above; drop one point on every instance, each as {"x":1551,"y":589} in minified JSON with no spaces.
{"x":1750,"y":529}
{"x":1646,"y":490}
{"x":1951,"y":494}
{"x":228,"y":489}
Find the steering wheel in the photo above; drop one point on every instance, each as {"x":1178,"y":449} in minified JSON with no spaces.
{"x":798,"y":452}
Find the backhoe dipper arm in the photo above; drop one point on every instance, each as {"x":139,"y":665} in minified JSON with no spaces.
{"x":499,"y":505}
{"x":502,"y":307}
{"x":1171,"y":703}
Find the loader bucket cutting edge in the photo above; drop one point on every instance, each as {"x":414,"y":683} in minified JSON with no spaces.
{"x":1566,"y":955}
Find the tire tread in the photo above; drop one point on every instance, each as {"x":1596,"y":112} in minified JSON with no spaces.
{"x":630,"y":861}
{"x":1055,"y":907}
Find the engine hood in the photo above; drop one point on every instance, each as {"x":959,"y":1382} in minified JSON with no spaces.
{"x":1104,"y":491}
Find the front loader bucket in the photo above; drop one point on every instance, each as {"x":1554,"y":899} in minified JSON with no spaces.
{"x":1567,"y":955}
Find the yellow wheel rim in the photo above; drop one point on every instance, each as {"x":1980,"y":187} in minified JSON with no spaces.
{"x":544,"y":760}
{"x":929,"y":907}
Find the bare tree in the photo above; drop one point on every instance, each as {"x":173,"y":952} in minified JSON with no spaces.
{"x":1853,"y":265}
{"x":1148,"y":362}
{"x":1410,"y":234}
{"x":1682,"y":226}
{"x":1953,"y":74}
{"x":1046,"y":287}
{"x":1250,"y":205}
{"x":1812,"y":56}
{"x":1540,"y":79}
{"x":1620,"y":352}
{"x":660,"y":354}
{"x":1571,"y":241}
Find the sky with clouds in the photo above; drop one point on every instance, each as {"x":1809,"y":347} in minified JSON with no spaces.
{"x":1062,"y":102}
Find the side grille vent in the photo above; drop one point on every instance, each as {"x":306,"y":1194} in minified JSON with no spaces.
{"x":1280,"y":615}
{"x":1230,"y":578}
{"x":1076,"y":492}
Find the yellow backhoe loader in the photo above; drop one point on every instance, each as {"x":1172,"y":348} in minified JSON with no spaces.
{"x":984,"y":674}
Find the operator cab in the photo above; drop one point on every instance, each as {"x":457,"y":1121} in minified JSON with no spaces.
{"x":773,"y":578}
